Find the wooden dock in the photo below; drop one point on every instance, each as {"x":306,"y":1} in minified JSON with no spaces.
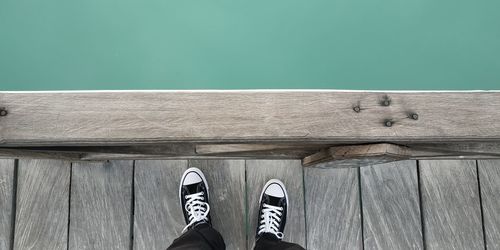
{"x":425,"y":204}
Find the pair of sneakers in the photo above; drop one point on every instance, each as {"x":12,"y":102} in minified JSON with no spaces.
{"x":194,"y":195}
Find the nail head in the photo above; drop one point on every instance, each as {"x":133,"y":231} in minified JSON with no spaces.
{"x":3,"y":112}
{"x":414,"y":116}
{"x":388,"y":123}
{"x":357,"y":109}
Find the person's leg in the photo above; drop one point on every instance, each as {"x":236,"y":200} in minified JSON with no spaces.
{"x":271,"y":222}
{"x":198,"y":233}
{"x":200,"y":237}
{"x":268,"y":242}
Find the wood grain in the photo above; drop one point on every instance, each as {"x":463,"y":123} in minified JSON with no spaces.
{"x":101,"y":200}
{"x":42,"y":204}
{"x":124,"y":118}
{"x":333,"y":209}
{"x":6,"y":200}
{"x":226,"y":180}
{"x":489,"y":178}
{"x":450,"y":205}
{"x":290,"y":173}
{"x":158,"y":217}
{"x":391,"y":206}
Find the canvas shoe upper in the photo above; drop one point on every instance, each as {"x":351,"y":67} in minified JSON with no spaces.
{"x":193,"y":196}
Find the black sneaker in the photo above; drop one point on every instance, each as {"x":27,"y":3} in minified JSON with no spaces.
{"x":272,"y":210}
{"x":193,"y":196}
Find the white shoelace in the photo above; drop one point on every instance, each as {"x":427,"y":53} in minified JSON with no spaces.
{"x":270,"y":220}
{"x":196,"y":208}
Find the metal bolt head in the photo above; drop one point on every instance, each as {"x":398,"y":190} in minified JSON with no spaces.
{"x":357,"y":109}
{"x":414,"y":116}
{"x":386,"y":102}
{"x":3,"y":112}
{"x":388,"y":123}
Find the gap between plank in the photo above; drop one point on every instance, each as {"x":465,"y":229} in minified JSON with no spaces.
{"x":305,"y":207}
{"x":247,"y":214}
{"x":132,"y":208}
{"x":69,"y":204}
{"x":361,"y":209}
{"x":419,"y":183}
{"x":481,"y":204}
{"x":14,"y":204}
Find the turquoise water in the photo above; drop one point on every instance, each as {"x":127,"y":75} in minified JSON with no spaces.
{"x":253,"y":44}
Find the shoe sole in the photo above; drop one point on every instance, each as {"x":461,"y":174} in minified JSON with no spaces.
{"x":198,"y":171}
{"x":271,"y":181}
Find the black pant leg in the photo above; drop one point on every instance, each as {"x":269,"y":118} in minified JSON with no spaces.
{"x":201,"y":237}
{"x":267,"y":242}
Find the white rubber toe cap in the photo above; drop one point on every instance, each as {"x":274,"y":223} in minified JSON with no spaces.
{"x":275,"y":189}
{"x":192,"y":178}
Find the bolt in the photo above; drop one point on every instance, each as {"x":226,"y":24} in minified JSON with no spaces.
{"x":357,"y":109}
{"x":3,"y":112}
{"x":386,"y":102}
{"x":414,"y":116}
{"x":388,"y":123}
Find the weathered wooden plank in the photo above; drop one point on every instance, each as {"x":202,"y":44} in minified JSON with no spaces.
{"x":6,"y":204}
{"x":451,"y":205}
{"x":226,"y":180}
{"x":291,"y":174}
{"x":158,"y":217}
{"x":489,"y":178}
{"x":332,"y":209}
{"x":121,"y":118}
{"x":391,"y":206}
{"x":42,"y":204}
{"x":101,"y":200}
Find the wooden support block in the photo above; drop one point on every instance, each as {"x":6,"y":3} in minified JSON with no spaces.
{"x":358,"y":155}
{"x":372,"y":154}
{"x":263,"y":151}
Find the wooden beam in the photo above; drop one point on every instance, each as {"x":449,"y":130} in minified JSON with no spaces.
{"x":329,"y":117}
{"x":311,"y":153}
